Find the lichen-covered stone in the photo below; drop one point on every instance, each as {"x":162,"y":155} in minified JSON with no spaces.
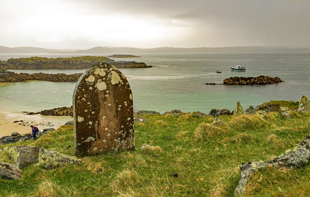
{"x":291,"y":159}
{"x":103,"y":112}
{"x":9,"y":171}
{"x":24,"y":155}
{"x":238,"y":109}
{"x":304,"y":105}
{"x":52,"y":159}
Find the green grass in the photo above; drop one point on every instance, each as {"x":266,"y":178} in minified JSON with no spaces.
{"x":205,"y":157}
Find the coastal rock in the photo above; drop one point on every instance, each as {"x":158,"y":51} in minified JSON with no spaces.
{"x":25,"y":137}
{"x":250,"y":110}
{"x":25,"y":155}
{"x":291,"y":159}
{"x":174,"y":112}
{"x":219,"y":112}
{"x":304,"y":105}
{"x":61,"y":111}
{"x":15,"y":134}
{"x":9,"y":171}
{"x":260,"y":80}
{"x":145,"y":112}
{"x":275,"y":106}
{"x":197,"y":114}
{"x":238,"y":109}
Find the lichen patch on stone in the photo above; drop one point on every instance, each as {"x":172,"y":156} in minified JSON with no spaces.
{"x":115,"y":78}
{"x":90,"y":79}
{"x":101,"y":86}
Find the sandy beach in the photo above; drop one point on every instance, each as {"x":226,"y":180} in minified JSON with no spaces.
{"x":19,"y":122}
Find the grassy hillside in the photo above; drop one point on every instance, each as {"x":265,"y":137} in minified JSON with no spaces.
{"x":204,"y":157}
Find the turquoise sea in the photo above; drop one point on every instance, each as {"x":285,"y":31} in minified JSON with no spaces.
{"x":177,"y":81}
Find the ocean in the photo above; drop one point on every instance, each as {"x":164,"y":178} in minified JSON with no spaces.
{"x":177,"y":81}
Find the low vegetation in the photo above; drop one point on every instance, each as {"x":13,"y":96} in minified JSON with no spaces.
{"x":81,"y":62}
{"x":188,"y":155}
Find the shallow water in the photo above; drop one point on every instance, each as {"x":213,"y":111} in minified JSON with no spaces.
{"x":176,"y":81}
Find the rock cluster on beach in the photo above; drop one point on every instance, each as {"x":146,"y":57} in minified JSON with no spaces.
{"x":260,"y":80}
{"x":15,"y":136}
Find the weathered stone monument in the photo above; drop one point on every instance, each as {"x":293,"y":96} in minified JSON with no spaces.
{"x":103,"y":112}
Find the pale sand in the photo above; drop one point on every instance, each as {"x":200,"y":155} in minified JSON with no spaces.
{"x":7,"y":126}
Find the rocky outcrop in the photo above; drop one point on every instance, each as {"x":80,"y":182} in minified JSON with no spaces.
{"x":292,"y":159}
{"x":81,"y":62}
{"x":260,"y":80}
{"x":61,"y":111}
{"x":21,"y":77}
{"x":219,"y":112}
{"x":9,"y":171}
{"x":304,"y":105}
{"x":15,"y":137}
{"x":174,"y":112}
{"x":145,"y":112}
{"x":238,"y":109}
{"x":25,"y":155}
{"x":274,"y":106}
{"x":250,"y":110}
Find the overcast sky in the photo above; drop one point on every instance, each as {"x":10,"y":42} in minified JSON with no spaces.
{"x":81,"y":24}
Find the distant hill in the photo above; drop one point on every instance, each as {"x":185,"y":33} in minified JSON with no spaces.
{"x":4,"y":49}
{"x":130,"y":50}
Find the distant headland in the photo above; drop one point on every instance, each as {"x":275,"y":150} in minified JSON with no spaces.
{"x":82,"y":62}
{"x":123,"y":56}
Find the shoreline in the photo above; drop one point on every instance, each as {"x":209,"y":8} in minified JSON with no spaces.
{"x":19,"y":122}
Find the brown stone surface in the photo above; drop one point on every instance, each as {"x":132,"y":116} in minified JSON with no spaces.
{"x":103,"y":112}
{"x":9,"y":171}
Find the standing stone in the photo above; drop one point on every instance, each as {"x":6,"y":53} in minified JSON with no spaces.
{"x":238,"y":109}
{"x":304,"y":105}
{"x":103,"y":112}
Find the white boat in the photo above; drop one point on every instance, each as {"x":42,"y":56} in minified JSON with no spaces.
{"x":238,"y":68}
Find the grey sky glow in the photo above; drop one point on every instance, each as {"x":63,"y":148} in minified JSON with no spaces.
{"x":80,"y":24}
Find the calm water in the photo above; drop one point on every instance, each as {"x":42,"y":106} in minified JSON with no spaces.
{"x":177,"y":82}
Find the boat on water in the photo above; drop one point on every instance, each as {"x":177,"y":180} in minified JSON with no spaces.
{"x":238,"y":68}
{"x":218,"y":71}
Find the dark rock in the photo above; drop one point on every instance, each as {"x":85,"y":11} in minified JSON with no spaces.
{"x":15,"y":134}
{"x":47,"y":130}
{"x":250,"y":110}
{"x":25,"y":137}
{"x":260,"y":80}
{"x":174,"y":112}
{"x":61,"y":111}
{"x":9,"y":171}
{"x":145,"y":112}
{"x":219,"y":112}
